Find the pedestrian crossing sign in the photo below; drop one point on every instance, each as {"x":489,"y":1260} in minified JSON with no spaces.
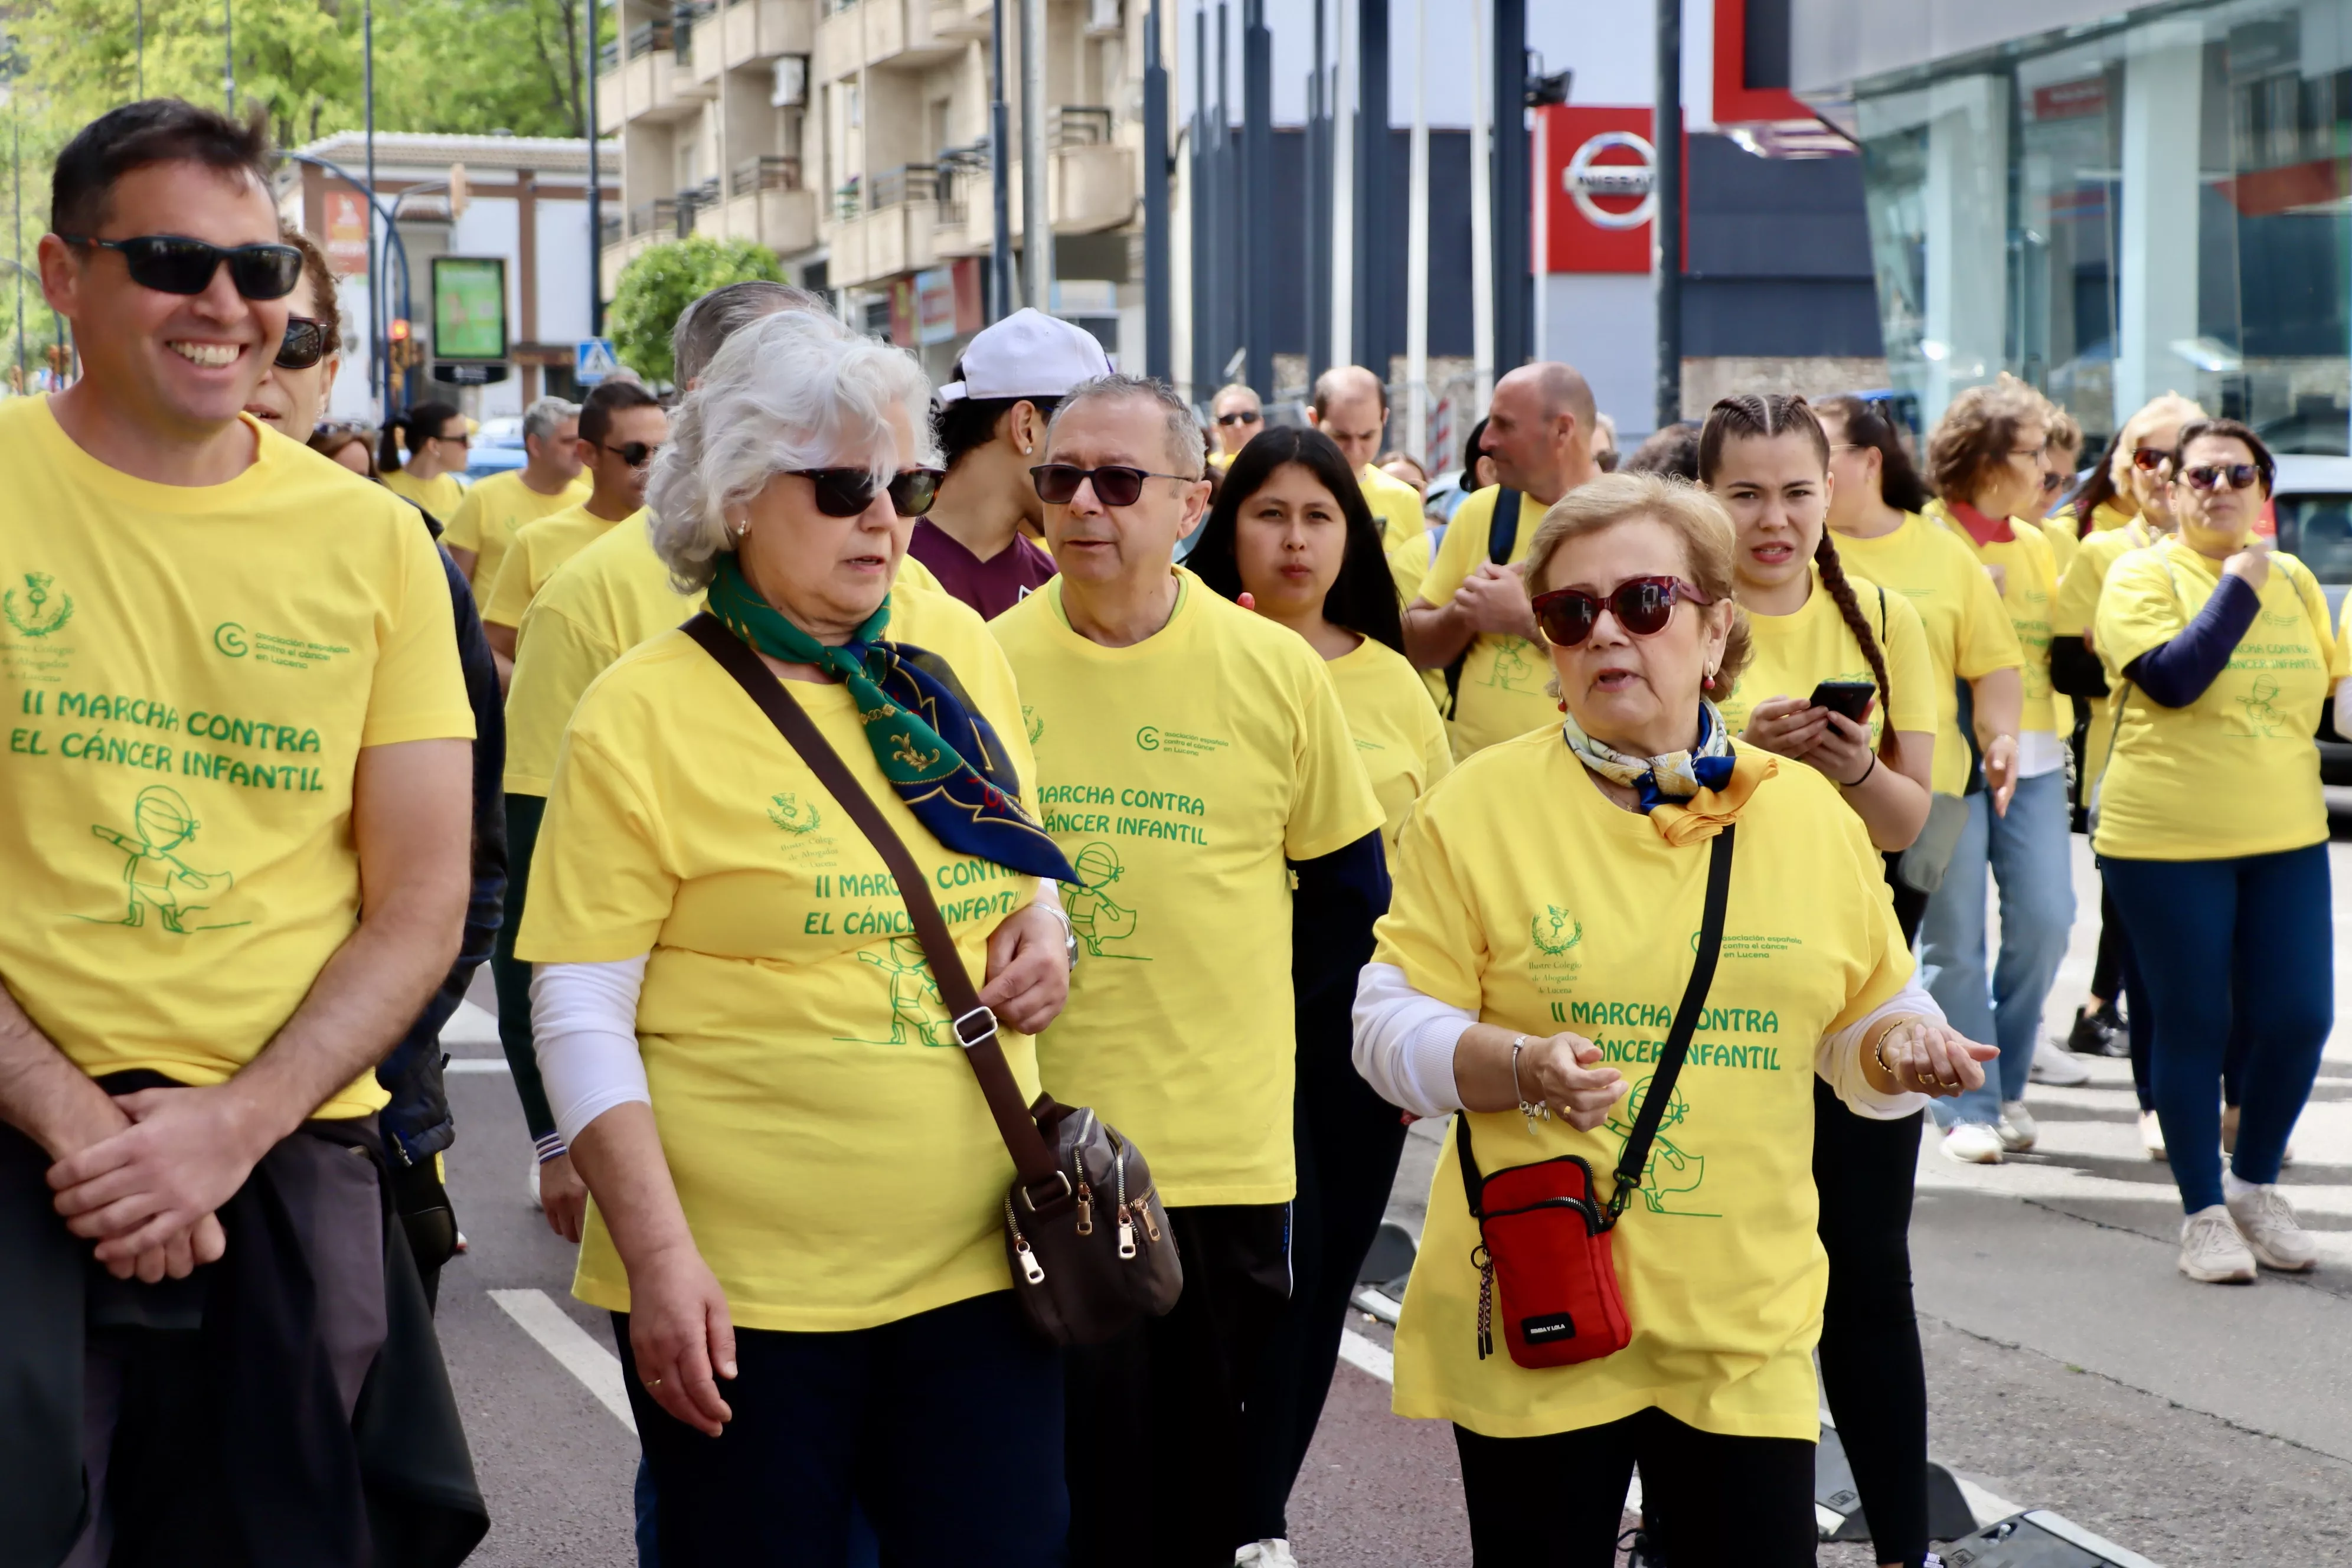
{"x":592,"y":360}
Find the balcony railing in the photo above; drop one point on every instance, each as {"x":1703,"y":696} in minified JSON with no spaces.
{"x":764,"y":173}
{"x":653,"y":216}
{"x":906,"y":183}
{"x":962,"y":170}
{"x":847,"y":202}
{"x":682,"y":20}
{"x":1075,"y":125}
{"x":612,"y":226}
{"x":648,"y":38}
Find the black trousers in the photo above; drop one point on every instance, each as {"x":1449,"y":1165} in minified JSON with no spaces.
{"x":1708,"y":1500}
{"x":1872,"y":1374}
{"x":511,"y":975}
{"x":1348,"y":1141}
{"x":1158,"y":1454}
{"x":943,"y":1426}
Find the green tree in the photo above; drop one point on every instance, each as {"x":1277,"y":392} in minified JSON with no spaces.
{"x":663,"y":281}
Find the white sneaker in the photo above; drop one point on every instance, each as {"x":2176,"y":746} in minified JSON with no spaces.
{"x":2018,"y":1132}
{"x":1973,"y":1143}
{"x":532,"y":1181}
{"x":2213,"y":1251}
{"x":2151,"y":1134}
{"x":1274,"y":1553}
{"x":2272,"y":1233}
{"x":2056,"y":1066}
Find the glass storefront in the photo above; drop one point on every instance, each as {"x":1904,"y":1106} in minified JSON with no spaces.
{"x":2158,"y":203}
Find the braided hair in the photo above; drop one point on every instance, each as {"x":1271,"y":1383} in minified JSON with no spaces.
{"x":1761,"y":416}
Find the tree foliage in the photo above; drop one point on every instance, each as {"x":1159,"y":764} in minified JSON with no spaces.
{"x":661,"y":282}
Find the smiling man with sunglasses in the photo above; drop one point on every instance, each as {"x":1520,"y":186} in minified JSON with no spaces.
{"x":235,"y":699}
{"x":622,"y":426}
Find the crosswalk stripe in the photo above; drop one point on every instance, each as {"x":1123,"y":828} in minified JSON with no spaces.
{"x":578,"y":1354}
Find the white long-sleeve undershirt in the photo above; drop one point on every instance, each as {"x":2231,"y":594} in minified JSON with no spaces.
{"x":583,"y":1025}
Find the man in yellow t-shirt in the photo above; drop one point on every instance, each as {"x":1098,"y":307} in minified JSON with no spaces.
{"x":621,"y":427}
{"x":1238,"y":416}
{"x":234,"y":698}
{"x":480,"y":532}
{"x":1473,"y":607}
{"x":1351,"y":406}
{"x":1192,"y":757}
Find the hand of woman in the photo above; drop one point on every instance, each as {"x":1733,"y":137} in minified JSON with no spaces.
{"x":1787,"y":727}
{"x":2253,"y":563}
{"x":1844,"y":753}
{"x":1028,"y":969}
{"x":1931,"y":1058}
{"x":2001,"y":771}
{"x":1563,"y":1072}
{"x":562,"y":1198}
{"x":680,"y":1333}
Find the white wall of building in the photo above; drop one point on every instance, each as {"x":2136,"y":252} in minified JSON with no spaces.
{"x":566,"y":266}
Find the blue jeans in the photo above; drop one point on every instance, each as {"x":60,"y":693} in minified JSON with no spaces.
{"x":2244,"y":945}
{"x":2027,"y":855}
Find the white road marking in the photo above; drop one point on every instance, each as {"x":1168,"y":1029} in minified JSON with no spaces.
{"x":571,"y":1346}
{"x":1360,"y":1352}
{"x":472,"y":1025}
{"x":476,"y":1064}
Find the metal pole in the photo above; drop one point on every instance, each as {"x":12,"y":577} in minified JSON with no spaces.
{"x":1258,"y":264}
{"x":1159,"y":352}
{"x":1036,"y":173}
{"x":141,"y":22}
{"x":382,"y":365}
{"x":596,"y":179}
{"x":1203,"y":369}
{"x":1667,"y":226}
{"x":1342,"y":323}
{"x":1372,"y":288}
{"x":1416,"y":247}
{"x":1000,"y":171}
{"x":228,"y":54}
{"x":1318,"y":211}
{"x":1514,"y":280}
{"x":1482,"y":218}
{"x":1542,"y":249}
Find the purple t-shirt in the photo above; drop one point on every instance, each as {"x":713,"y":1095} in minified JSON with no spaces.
{"x":991,"y":586}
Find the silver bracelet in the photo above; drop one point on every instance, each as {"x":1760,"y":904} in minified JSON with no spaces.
{"x":1531,"y":1111}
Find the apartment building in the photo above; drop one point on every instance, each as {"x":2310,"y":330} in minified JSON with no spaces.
{"x":851,"y":137}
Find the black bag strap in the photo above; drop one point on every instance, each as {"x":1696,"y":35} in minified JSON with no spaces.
{"x":1502,"y":538}
{"x":1636,"y":1154}
{"x":975,"y":1024}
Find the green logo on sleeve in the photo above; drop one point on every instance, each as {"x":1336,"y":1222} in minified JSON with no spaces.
{"x":155,"y":877}
{"x":1095,"y":916}
{"x":31,"y":610}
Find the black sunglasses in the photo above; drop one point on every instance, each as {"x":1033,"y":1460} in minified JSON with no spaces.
{"x":1240,"y":417}
{"x":1643,"y":605}
{"x":305,"y":344}
{"x":2222,"y":476}
{"x":845,"y":492}
{"x":637,"y":454}
{"x":1057,"y":483}
{"x":173,"y":264}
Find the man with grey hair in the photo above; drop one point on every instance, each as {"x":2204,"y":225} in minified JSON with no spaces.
{"x":1192,"y":756}
{"x":479,"y":533}
{"x":1350,"y":405}
{"x":1472,"y":619}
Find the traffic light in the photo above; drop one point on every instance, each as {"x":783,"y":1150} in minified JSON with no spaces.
{"x":397,"y":330}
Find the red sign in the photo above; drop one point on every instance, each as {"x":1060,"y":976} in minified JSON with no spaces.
{"x":347,"y":233}
{"x":1736,"y":102}
{"x":1598,"y":173}
{"x":2071,"y":100}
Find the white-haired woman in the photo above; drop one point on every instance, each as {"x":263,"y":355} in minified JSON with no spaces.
{"x":1547,"y":891}
{"x":795,"y":1180}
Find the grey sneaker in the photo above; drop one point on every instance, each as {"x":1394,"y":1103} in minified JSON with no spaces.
{"x":2272,"y":1233}
{"x":2018,"y":1131}
{"x":2213,"y":1251}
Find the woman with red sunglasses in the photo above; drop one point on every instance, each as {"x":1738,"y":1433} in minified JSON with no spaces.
{"x":2223,"y":655}
{"x":1542,"y":929}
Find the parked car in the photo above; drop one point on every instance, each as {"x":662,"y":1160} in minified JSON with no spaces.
{"x":2313,"y":505}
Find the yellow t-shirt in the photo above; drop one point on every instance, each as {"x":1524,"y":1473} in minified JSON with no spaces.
{"x":441,"y":495}
{"x":1178,"y":775}
{"x":1968,"y":635}
{"x":604,"y":600}
{"x":192,"y":673}
{"x":1795,"y":653}
{"x":1398,"y":732}
{"x":1396,"y":505}
{"x":829,"y":1141}
{"x":538,"y":548}
{"x":2029,"y":588}
{"x":2075,"y":611}
{"x":2064,"y":547}
{"x":1503,"y":678}
{"x":2110,"y":514}
{"x":2235,"y":772}
{"x":494,"y":509}
{"x":1408,"y":565}
{"x":1523,"y":894}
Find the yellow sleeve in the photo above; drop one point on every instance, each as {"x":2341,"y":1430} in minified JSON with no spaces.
{"x":1432,"y":930}
{"x":462,"y":529}
{"x":1987,"y":637}
{"x":2077,"y":599}
{"x":2344,"y":622}
{"x":1408,"y":564}
{"x":1436,"y":746}
{"x":1401,"y":516}
{"x":1909,"y":667}
{"x":509,"y":597}
{"x":1464,"y":546}
{"x":553,"y":666}
{"x":1881,"y":937}
{"x":604,"y":885}
{"x":1333,"y":805}
{"x":2138,"y":611}
{"x":2314,"y":604}
{"x":419,"y":687}
{"x":2064,"y":545}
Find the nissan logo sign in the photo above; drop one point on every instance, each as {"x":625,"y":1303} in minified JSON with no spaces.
{"x":1587,"y":177}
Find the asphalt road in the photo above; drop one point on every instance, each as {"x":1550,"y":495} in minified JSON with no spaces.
{"x":2069,"y":1366}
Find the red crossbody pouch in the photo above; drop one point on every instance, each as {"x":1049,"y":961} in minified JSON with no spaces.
{"x":1545,"y":1258}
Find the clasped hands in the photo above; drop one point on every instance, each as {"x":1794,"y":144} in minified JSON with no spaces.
{"x":148,"y":1191}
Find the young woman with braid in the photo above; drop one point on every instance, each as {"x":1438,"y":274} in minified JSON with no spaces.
{"x":1767,"y":458}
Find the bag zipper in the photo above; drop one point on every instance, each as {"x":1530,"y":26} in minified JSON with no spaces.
{"x":1030,"y":1266}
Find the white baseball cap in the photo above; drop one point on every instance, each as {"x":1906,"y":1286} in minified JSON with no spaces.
{"x":1027,"y":355}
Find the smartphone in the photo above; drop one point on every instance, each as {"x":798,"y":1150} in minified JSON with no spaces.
{"x":1851,"y":698}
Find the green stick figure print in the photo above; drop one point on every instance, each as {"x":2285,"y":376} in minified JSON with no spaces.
{"x":1670,"y":1170}
{"x":2262,"y":719}
{"x":918,"y":1011}
{"x":1095,"y":915}
{"x":1512,"y":670}
{"x":155,"y":875}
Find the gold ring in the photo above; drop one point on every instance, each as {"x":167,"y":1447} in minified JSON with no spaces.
{"x":653,"y":1383}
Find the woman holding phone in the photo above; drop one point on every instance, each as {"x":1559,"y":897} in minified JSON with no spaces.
{"x":1819,"y":635}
